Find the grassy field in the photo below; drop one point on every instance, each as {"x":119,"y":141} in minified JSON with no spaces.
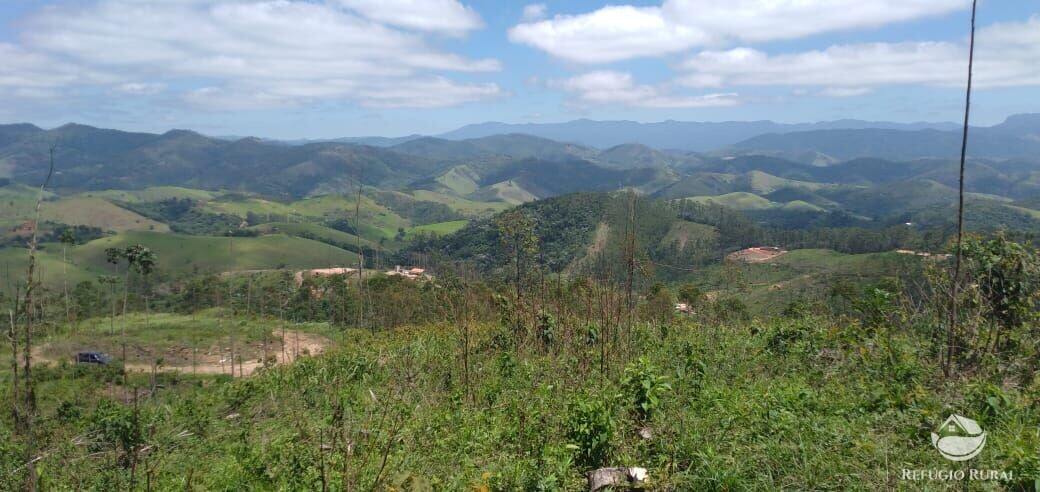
{"x":461,"y":205}
{"x":507,"y":191}
{"x":312,"y":231}
{"x":99,"y":209}
{"x":377,"y":220}
{"x":179,"y":254}
{"x":50,"y":269}
{"x":763,"y":183}
{"x":683,"y":232}
{"x":1032,"y":213}
{"x":735,"y":407}
{"x":19,"y":200}
{"x":802,"y":206}
{"x":805,"y":274}
{"x":460,"y":180}
{"x":154,"y":194}
{"x":18,"y":205}
{"x":439,"y":228}
{"x":739,"y":201}
{"x":98,"y":212}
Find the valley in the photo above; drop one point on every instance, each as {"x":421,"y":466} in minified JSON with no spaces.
{"x":514,"y":289}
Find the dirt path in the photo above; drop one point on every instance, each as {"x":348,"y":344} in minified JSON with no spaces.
{"x":296,"y":344}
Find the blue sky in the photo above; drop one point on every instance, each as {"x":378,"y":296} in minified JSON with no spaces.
{"x":317,"y":69}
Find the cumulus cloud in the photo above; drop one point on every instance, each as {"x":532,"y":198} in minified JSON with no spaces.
{"x":24,"y":72}
{"x":266,"y":53}
{"x":615,"y":33}
{"x":609,"y":34}
{"x":611,"y":87}
{"x":534,"y":11}
{"x":447,"y":16}
{"x":141,"y":88}
{"x":1006,"y":55}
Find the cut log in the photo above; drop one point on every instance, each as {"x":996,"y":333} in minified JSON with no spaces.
{"x":615,"y":476}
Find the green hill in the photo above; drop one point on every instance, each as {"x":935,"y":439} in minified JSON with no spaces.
{"x":340,"y":239}
{"x":460,"y":180}
{"x":98,"y":212}
{"x":154,"y":194}
{"x":462,"y":205}
{"x":180,"y":255}
{"x":439,"y":228}
{"x":508,"y":192}
{"x":18,"y":205}
{"x":96,"y":159}
{"x":636,"y":155}
{"x":51,"y":270}
{"x":739,"y":201}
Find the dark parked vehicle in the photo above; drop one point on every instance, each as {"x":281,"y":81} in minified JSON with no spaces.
{"x":92,"y":358}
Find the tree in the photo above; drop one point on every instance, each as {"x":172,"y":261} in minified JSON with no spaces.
{"x":516,"y":231}
{"x":138,"y":258}
{"x":68,"y":238}
{"x":360,"y":253}
{"x":1007,"y":276}
{"x":690,"y":294}
{"x":24,"y":416}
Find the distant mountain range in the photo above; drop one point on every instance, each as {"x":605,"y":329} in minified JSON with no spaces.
{"x":678,"y":135}
{"x":1018,"y":137}
{"x":813,"y":169}
{"x":820,"y":143}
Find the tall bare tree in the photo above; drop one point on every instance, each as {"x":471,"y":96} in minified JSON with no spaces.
{"x":951,"y":327}
{"x":28,"y":312}
{"x":68,"y":238}
{"x":360,"y":252}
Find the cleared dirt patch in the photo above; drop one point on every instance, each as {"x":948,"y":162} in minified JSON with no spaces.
{"x":214,"y":359}
{"x":755,"y":255}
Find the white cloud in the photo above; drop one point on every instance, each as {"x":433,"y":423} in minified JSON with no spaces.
{"x":1006,"y":55}
{"x":435,"y":92}
{"x":36,"y":73}
{"x":615,"y":33}
{"x":448,"y":16}
{"x":610,"y":87}
{"x":534,"y":11}
{"x":141,"y":88}
{"x":269,"y":53}
{"x":609,"y":34}
{"x":845,"y":91}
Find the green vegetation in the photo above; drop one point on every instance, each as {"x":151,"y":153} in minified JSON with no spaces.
{"x":99,"y":213}
{"x":183,"y":217}
{"x":506,"y":191}
{"x":439,"y":228}
{"x":327,"y":235}
{"x":466,"y":207}
{"x":738,"y":201}
{"x":182,"y":255}
{"x":457,"y":397}
{"x":417,"y":211}
{"x":153,"y":194}
{"x":460,"y":180}
{"x":544,"y":338}
{"x":51,"y":270}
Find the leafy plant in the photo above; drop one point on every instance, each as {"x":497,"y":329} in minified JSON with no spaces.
{"x":643,"y":387}
{"x":546,"y":328}
{"x":590,"y":428}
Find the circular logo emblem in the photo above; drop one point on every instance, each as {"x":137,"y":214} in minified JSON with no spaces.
{"x":959,"y":438}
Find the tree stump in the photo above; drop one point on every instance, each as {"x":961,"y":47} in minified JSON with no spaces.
{"x":605,"y":477}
